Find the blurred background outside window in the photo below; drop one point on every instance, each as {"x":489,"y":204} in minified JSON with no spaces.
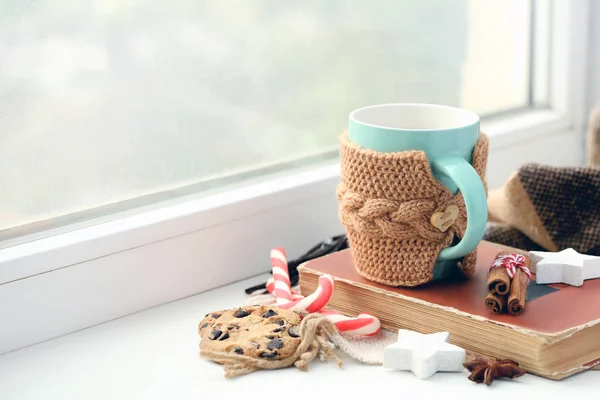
{"x":105,"y":101}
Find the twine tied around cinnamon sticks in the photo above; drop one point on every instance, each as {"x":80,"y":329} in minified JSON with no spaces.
{"x":508,"y":279}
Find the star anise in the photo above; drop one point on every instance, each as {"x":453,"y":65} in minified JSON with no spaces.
{"x":485,"y":371}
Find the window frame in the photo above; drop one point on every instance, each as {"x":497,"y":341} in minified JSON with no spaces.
{"x":82,"y":276}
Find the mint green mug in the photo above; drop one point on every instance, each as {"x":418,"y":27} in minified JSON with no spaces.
{"x":448,"y":136}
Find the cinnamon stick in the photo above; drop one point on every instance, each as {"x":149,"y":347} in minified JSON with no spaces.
{"x":498,"y":281}
{"x":518,"y":291}
{"x":495,"y":302}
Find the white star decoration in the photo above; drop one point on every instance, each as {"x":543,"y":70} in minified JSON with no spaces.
{"x":424,"y":355}
{"x":567,"y":266}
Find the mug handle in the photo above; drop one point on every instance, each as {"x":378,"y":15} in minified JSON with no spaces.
{"x":470,"y":185}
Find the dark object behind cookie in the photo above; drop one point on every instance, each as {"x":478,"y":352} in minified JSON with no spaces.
{"x":328,"y":246}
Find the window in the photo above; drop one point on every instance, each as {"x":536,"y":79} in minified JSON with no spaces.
{"x":107,"y":105}
{"x":152,"y":150}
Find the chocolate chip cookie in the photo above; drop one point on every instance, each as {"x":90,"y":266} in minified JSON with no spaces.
{"x":266,"y":332}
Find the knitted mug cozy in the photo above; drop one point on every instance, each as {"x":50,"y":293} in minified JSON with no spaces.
{"x":386,"y":201}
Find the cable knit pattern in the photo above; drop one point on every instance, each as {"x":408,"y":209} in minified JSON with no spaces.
{"x":386,"y":201}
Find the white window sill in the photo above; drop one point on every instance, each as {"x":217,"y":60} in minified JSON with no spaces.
{"x":154,"y":355}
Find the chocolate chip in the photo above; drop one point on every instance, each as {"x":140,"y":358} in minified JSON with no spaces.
{"x":225,"y":336}
{"x":275,"y":344}
{"x":204,"y":325}
{"x":239,"y":350}
{"x":241,"y":313}
{"x":214,"y":335}
{"x":268,"y":355}
{"x":280,"y":322}
{"x":278,"y":330}
{"x":215,"y":315}
{"x":234,"y":326}
{"x":294,"y":331}
{"x":206,"y":315}
{"x":271,"y":337}
{"x":269,"y":313}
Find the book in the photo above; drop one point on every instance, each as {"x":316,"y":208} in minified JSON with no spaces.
{"x":556,"y":336}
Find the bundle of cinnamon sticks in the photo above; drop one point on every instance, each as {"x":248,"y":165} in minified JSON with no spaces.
{"x":506,"y":294}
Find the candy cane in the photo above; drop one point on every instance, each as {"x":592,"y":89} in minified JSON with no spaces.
{"x":316,"y":300}
{"x":283,"y":292}
{"x":271,"y":289}
{"x":363,"y":324}
{"x":281,"y":277}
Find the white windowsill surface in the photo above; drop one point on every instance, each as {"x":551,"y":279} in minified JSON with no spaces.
{"x":154,"y":355}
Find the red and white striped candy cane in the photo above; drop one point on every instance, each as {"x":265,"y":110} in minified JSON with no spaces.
{"x":271,"y":289}
{"x":314,"y":301}
{"x":363,"y":324}
{"x":283,"y":291}
{"x":281,"y":277}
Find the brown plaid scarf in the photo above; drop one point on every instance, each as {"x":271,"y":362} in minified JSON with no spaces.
{"x":549,"y":208}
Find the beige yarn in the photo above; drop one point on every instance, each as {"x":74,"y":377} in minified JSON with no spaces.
{"x":386,"y":201}
{"x":316,"y":332}
{"x":593,"y":137}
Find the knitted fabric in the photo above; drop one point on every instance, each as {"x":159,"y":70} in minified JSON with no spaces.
{"x":544,"y":207}
{"x":386,"y":201}
{"x":505,"y":234}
